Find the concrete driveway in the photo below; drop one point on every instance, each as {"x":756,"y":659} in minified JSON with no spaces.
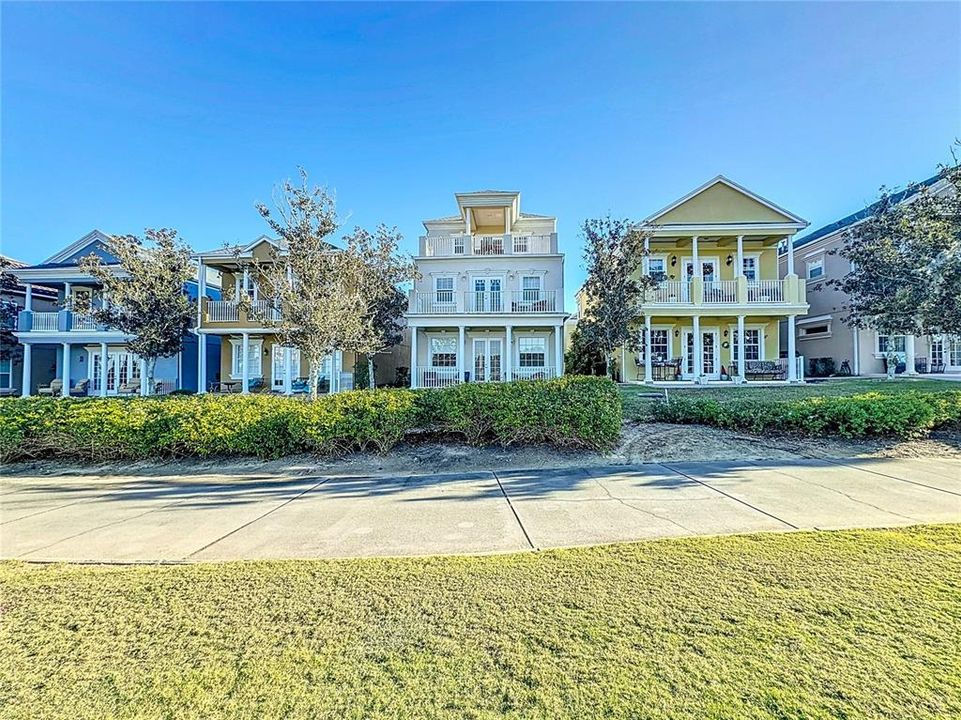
{"x":218,"y":517}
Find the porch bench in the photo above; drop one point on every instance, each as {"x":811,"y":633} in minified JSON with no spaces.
{"x":761,"y":370}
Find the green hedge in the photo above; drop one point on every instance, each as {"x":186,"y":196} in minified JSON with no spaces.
{"x":568,"y":411}
{"x":909,"y":414}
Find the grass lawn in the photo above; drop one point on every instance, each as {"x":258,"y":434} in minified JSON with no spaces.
{"x":803,"y":625}
{"x":637,"y":408}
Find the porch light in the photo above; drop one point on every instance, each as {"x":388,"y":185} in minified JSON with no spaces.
{"x":730,"y":259}
{"x":677,"y":333}
{"x":673,"y":260}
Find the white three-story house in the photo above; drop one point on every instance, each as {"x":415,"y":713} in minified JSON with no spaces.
{"x":489,"y":303}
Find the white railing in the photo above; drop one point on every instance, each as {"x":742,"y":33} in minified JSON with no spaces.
{"x":83,"y":322}
{"x":534,"y":301}
{"x":531,"y":244}
{"x":488,"y":244}
{"x":799,"y":366}
{"x":441,"y":302}
{"x":264,"y":310}
{"x":446,"y":245}
{"x":223,"y":311}
{"x":435,"y":377}
{"x":486,"y":302}
{"x":672,"y":291}
{"x":500,"y":244}
{"x":44,"y":321}
{"x":534,"y":373}
{"x":765,"y":291}
{"x":720,"y":291}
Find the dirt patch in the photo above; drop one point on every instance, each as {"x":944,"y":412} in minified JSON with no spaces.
{"x":640,"y":442}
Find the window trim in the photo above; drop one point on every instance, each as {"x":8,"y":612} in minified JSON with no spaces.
{"x":732,"y":332}
{"x":452,"y":290}
{"x":542,"y":338}
{"x":811,"y":263}
{"x":257,"y":371}
{"x":430,"y":351}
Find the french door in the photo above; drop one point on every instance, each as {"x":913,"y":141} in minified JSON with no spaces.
{"x":122,"y":368}
{"x":710,"y":351}
{"x":277,"y":364}
{"x":487,"y":359}
{"x":487,"y":296}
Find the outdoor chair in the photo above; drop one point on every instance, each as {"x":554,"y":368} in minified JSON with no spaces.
{"x":80,"y":389}
{"x":54,"y":389}
{"x":131,"y":387}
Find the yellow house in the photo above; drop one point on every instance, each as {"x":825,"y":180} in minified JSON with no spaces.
{"x":714,"y":255}
{"x":251,"y":358}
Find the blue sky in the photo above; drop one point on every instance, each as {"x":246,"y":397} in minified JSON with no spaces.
{"x":123,"y":116}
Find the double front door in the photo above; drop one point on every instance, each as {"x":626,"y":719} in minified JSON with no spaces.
{"x":122,"y":368}
{"x":277,"y":364}
{"x":710,"y":352}
{"x":487,"y":295}
{"x":488,"y":354}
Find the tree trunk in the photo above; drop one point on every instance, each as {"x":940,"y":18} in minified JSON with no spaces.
{"x":609,"y":364}
{"x":370,"y":373}
{"x":151,"y":369}
{"x":313,"y":372}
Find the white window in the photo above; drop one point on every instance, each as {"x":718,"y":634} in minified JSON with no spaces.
{"x":531,"y":285}
{"x":657,"y":268}
{"x":937,"y":351}
{"x":444,"y":289}
{"x":532,"y":352}
{"x":660,"y":345}
{"x":443,"y":352}
{"x":254,"y":365}
{"x":521,"y":244}
{"x":6,"y":375}
{"x":750,"y":268}
{"x":954,"y":351}
{"x":752,"y":344}
{"x":460,"y":244}
{"x":890,"y":343}
{"x":815,"y":268}
{"x":81,"y":298}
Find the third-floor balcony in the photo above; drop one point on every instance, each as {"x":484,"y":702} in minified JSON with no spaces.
{"x":505,"y":244}
{"x":448,"y":302}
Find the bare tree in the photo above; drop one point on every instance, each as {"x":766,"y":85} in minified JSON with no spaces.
{"x":146,"y":293}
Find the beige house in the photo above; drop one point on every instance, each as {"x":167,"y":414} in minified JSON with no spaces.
{"x":251,"y":358}
{"x":822,"y":333}
{"x":713,"y":253}
{"x":489,"y":304}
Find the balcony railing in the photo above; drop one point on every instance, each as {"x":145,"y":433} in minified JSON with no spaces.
{"x":265,"y":310}
{"x":435,"y":377}
{"x":534,"y":373}
{"x":83,"y":322}
{"x":45,"y":322}
{"x":720,"y":291}
{"x":222,"y":311}
{"x":672,"y":291}
{"x":447,"y":302}
{"x":765,"y":291}
{"x":715,"y":292}
{"x":506,"y":244}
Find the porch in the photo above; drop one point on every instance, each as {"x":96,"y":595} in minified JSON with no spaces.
{"x":445,"y":355}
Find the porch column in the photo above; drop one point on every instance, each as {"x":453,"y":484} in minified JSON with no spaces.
{"x":27,"y":381}
{"x":698,"y":270}
{"x":624,"y":362}
{"x":27,"y":296}
{"x":790,"y":254}
{"x":288,"y":388}
{"x":462,"y":350}
{"x":103,"y":369}
{"x":741,"y":353}
{"x":648,"y":364}
{"x":509,"y":355}
{"x":909,"y":355}
{"x":740,"y":256}
{"x":65,"y":371}
{"x":646,"y":262}
{"x":246,"y":280}
{"x":698,"y":353}
{"x":558,"y":350}
{"x":413,"y":357}
{"x":144,"y":385}
{"x":244,"y":362}
{"x":201,"y":289}
{"x":67,"y":287}
{"x":461,"y":360}
{"x":791,"y":341}
{"x":201,"y":363}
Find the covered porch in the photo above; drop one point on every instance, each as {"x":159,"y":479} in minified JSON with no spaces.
{"x":443,"y":355}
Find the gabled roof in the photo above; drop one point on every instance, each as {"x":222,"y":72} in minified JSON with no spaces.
{"x":788,"y":216}
{"x":72,"y":249}
{"x":856,"y":217}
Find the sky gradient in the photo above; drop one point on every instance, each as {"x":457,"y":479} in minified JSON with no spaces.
{"x":123,"y":116}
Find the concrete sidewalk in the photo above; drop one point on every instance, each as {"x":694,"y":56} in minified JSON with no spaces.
{"x":219,"y":517}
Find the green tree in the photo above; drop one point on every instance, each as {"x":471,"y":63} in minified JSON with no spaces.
{"x":582,"y":358}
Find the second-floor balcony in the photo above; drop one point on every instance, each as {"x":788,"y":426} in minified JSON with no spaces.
{"x":246,"y":313}
{"x":739,"y":291}
{"x":57,"y":321}
{"x":448,"y":302}
{"x":486,"y":245}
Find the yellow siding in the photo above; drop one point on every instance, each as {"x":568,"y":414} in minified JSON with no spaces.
{"x":721,"y":203}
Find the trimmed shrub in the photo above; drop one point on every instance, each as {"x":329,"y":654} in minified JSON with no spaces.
{"x":909,"y":414}
{"x":569,"y":411}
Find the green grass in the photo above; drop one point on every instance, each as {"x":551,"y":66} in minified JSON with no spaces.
{"x":804,"y":625}
{"x":636,"y":408}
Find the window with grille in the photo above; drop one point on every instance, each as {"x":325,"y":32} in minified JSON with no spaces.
{"x":750,"y":268}
{"x":531,"y":285}
{"x":890,"y":343}
{"x":752,"y":344}
{"x":657,"y":268}
{"x":443,"y":352}
{"x":532,"y":352}
{"x":660,"y":345}
{"x":444,"y":289}
{"x":254,"y":366}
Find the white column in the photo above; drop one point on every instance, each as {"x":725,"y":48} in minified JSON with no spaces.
{"x":461,"y":360}
{"x":27,"y":382}
{"x":201,"y":289}
{"x":856,"y":351}
{"x":694,"y":256}
{"x":509,"y":355}
{"x":288,"y":386}
{"x":558,"y":350}
{"x":646,"y":262}
{"x":648,"y":368}
{"x":201,"y":363}
{"x":103,"y":369}
{"x":741,"y":354}
{"x":790,"y":255}
{"x":467,"y":221}
{"x":413,"y":357}
{"x":624,"y":362}
{"x":67,"y":287}
{"x":462,"y":350}
{"x":246,"y":283}
{"x":65,"y":370}
{"x":909,"y":355}
{"x":791,"y":340}
{"x":698,"y":353}
{"x":740,"y":256}
{"x":144,"y":385}
{"x":28,"y":296}
{"x":244,"y":362}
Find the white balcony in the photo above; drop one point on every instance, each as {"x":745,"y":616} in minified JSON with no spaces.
{"x":765,"y":291}
{"x":720,"y":291}
{"x":83,"y":323}
{"x":485,"y":245}
{"x":739,"y":291}
{"x":265,"y":310}
{"x":519,"y":302}
{"x":222,"y":311}
{"x":45,"y":321}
